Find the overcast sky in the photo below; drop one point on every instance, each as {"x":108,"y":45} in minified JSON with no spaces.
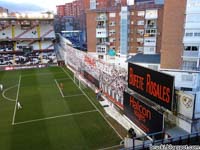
{"x":33,"y":5}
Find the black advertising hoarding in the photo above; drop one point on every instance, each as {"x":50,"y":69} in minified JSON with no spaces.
{"x":146,"y":118}
{"x":154,"y":85}
{"x":90,"y":78}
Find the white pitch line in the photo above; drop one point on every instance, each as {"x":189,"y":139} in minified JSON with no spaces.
{"x":13,"y":120}
{"x":7,"y":98}
{"x":59,"y":88}
{"x":95,"y":106}
{"x":74,"y":95}
{"x":60,"y":116}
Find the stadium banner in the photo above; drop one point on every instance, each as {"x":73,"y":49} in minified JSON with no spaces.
{"x":154,"y":85}
{"x":90,"y":78}
{"x":90,"y":61}
{"x":146,"y":118}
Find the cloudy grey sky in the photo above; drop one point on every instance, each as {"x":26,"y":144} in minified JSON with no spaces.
{"x":32,"y":5}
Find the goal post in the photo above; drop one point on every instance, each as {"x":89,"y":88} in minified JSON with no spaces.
{"x":79,"y":82}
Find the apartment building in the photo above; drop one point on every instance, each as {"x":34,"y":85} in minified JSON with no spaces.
{"x":181,"y":38}
{"x":70,"y":9}
{"x":100,"y":4}
{"x":180,"y":56}
{"x":61,"y":10}
{"x":127,"y":30}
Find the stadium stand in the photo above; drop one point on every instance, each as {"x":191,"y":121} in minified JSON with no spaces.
{"x":111,"y":79}
{"x":27,"y":40}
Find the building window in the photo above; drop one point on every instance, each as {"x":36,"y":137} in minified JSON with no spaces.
{"x":112,"y":39}
{"x":132,"y":13}
{"x":141,"y":13}
{"x":150,"y":32}
{"x":150,"y":41}
{"x":189,"y":34}
{"x":140,"y":31}
{"x":100,"y":56}
{"x":140,"y":40}
{"x":140,"y":49}
{"x":191,"y":48}
{"x":113,"y":23}
{"x":140,"y":22}
{"x":190,"y":65}
{"x":187,"y":78}
{"x":151,"y":23}
{"x":196,"y":33}
{"x":112,"y":15}
{"x":112,"y":31}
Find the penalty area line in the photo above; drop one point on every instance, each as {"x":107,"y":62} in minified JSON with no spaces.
{"x":49,"y":118}
{"x":89,"y":99}
{"x":59,"y":88}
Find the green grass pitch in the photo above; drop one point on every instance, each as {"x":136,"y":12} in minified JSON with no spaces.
{"x":55,"y":114}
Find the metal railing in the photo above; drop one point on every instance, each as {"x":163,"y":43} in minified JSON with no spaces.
{"x":189,"y":139}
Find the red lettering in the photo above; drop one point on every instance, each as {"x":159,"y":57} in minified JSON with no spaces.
{"x":136,"y":80}
{"x":140,"y":111}
{"x":157,"y":90}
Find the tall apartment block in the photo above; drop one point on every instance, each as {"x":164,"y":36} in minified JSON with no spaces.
{"x":181,"y":37}
{"x":70,"y":9}
{"x":180,"y":57}
{"x":126,"y":30}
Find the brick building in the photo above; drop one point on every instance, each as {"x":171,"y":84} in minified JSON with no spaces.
{"x":61,"y":10}
{"x":70,"y":9}
{"x":126,"y":29}
{"x":180,"y":39}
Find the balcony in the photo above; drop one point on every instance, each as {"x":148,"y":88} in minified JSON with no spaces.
{"x":101,"y":18}
{"x":150,"y":32}
{"x":195,"y":54}
{"x":101,"y":48}
{"x":189,"y":39}
{"x":150,"y":41}
{"x":150,"y":26}
{"x":192,"y":25}
{"x":101,"y":33}
{"x":101,"y":26}
{"x":187,"y":79}
{"x":190,"y":68}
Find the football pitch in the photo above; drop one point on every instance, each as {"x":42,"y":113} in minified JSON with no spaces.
{"x":56,"y":114}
